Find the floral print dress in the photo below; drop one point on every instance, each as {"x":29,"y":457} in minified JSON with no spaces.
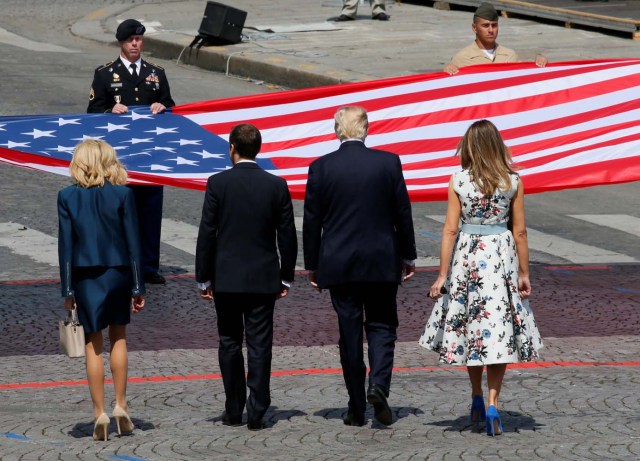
{"x":482,"y":320}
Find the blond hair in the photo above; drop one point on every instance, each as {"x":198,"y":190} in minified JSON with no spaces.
{"x":95,"y":161}
{"x":483,"y":152}
{"x":351,"y":123}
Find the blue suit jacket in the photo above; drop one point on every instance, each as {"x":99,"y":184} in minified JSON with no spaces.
{"x":357,"y":217}
{"x":98,"y":227}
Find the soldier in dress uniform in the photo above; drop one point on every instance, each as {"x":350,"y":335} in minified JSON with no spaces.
{"x":132,"y":81}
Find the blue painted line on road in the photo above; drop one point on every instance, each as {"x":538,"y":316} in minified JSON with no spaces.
{"x":627,"y":290}
{"x":126,"y":458}
{"x":11,"y":435}
{"x":429,"y":234}
{"x":560,"y":271}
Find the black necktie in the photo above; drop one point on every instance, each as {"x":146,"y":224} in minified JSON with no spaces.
{"x":133,"y":71}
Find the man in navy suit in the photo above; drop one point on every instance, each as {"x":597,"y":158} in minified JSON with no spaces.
{"x":359,"y":243}
{"x":132,"y":81}
{"x":247,"y":218}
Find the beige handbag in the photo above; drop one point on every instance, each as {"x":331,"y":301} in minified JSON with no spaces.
{"x":71,"y":335}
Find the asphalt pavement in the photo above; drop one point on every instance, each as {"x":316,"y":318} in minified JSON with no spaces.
{"x":579,"y":401}
{"x":294,"y":43}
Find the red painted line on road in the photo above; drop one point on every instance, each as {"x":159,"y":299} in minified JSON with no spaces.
{"x":578,"y":268}
{"x":307,"y":371}
{"x":29,"y":282}
{"x":305,"y":272}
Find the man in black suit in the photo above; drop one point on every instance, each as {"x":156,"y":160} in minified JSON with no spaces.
{"x":246,"y":212}
{"x":132,"y":81}
{"x":359,"y":243}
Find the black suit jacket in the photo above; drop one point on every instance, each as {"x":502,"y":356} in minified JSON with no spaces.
{"x":357,"y":217}
{"x":247,"y":217}
{"x":113,"y":83}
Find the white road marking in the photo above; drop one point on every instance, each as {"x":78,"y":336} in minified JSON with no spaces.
{"x":9,"y":38}
{"x":43,"y":248}
{"x":428,"y":262}
{"x":28,"y":242}
{"x":184,"y":236}
{"x":179,"y":235}
{"x":420,"y":262}
{"x":621,"y":222}
{"x":574,"y":252}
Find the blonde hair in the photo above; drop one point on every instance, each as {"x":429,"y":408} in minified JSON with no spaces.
{"x":351,"y":123}
{"x":95,"y":161}
{"x":483,"y":152}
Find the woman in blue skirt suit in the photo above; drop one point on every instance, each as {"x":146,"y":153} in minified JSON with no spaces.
{"x":99,"y":254}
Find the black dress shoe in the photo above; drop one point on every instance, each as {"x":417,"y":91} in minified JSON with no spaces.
{"x":381,"y":410}
{"x":352,"y":420}
{"x":154,"y":278}
{"x":228,"y":420}
{"x":381,"y":17}
{"x":255,"y":425}
{"x":343,"y":18}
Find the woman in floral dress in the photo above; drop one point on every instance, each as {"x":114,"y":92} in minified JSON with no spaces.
{"x":482,"y":317}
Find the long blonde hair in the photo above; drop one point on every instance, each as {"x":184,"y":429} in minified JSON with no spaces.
{"x":95,"y":161}
{"x":483,"y":152}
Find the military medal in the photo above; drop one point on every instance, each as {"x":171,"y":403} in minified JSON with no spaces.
{"x":118,"y":98}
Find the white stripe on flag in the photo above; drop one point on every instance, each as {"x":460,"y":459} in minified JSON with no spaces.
{"x":291,"y":108}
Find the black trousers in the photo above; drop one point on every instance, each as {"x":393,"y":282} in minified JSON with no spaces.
{"x":149,"y":212}
{"x":251,"y":316}
{"x":374,"y":306}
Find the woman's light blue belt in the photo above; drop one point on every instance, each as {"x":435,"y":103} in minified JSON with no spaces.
{"x":484,"y":229}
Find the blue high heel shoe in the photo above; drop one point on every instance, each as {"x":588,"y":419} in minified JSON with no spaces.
{"x":492,"y":418}
{"x":478,"y":412}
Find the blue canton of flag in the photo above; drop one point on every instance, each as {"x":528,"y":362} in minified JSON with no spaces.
{"x":158,"y":147}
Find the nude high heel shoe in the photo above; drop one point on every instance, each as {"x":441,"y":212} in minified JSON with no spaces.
{"x":101,"y":428}
{"x":124,"y":423}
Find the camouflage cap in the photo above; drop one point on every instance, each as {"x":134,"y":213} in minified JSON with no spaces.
{"x":486,"y":11}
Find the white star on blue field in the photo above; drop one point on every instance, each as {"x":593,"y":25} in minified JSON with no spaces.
{"x":166,"y":143}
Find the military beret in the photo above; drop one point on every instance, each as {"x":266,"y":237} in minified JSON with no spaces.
{"x":486,"y":11}
{"x":129,"y":27}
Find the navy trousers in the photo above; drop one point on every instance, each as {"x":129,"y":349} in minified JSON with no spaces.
{"x":236,"y":313}
{"x":374,"y":306}
{"x":149,"y":210}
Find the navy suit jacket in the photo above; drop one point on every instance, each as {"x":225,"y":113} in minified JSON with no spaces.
{"x":98,"y":227}
{"x":246,"y":212}
{"x":357,"y":217}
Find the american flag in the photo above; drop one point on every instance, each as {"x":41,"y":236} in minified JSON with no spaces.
{"x":571,"y":124}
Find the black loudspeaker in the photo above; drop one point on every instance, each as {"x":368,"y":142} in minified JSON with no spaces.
{"x":221,"y":24}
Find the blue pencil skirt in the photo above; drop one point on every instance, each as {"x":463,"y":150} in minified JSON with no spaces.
{"x":103,"y":296}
